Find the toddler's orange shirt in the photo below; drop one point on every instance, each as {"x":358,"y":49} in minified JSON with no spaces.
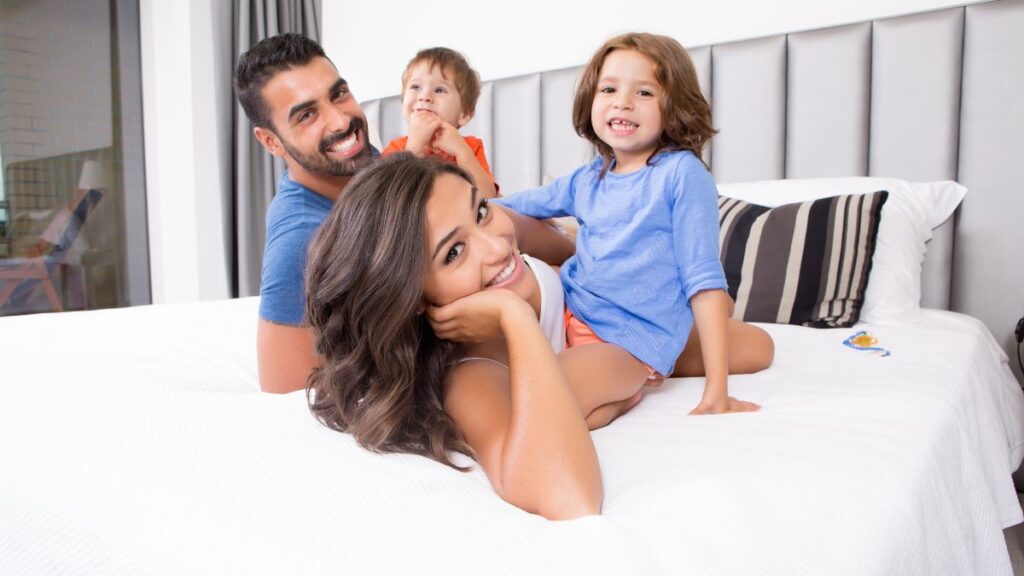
{"x":475,"y":144}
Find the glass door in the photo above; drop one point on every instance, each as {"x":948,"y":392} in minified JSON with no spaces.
{"x":72,"y":199}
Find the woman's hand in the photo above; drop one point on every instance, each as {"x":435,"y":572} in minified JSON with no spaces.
{"x":477,"y":317}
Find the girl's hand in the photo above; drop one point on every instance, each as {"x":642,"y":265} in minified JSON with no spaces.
{"x":477,"y":317}
{"x":422,"y":127}
{"x":723,"y":405}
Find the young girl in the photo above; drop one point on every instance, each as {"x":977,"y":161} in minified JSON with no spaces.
{"x":646,"y":270}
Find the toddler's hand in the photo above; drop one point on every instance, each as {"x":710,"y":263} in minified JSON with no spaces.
{"x":422,"y":127}
{"x":724,"y":405}
{"x":447,"y":139}
{"x":477,"y":317}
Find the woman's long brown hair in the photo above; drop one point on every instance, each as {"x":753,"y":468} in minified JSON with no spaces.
{"x":383,"y":368}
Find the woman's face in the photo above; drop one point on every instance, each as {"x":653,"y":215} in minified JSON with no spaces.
{"x":471,"y":245}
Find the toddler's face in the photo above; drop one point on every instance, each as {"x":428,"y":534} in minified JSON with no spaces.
{"x":428,"y":89}
{"x":626,"y":113}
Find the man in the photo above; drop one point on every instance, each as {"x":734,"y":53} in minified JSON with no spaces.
{"x":303,"y":112}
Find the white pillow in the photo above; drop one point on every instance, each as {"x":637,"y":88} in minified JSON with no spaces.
{"x":910,"y":214}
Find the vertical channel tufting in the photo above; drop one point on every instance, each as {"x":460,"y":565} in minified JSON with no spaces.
{"x":749,"y":108}
{"x":989,"y":282}
{"x":562,"y":151}
{"x":915,"y":116}
{"x":371,"y":110}
{"x":827,"y":101}
{"x":702,"y":62}
{"x":515,"y":146}
{"x":391,"y":123}
{"x":915,"y":95}
{"x":482,"y":123}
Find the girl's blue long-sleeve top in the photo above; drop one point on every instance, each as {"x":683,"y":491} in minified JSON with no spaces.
{"x":647,"y":243}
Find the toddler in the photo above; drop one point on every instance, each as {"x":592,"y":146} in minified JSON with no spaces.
{"x":439,"y":94}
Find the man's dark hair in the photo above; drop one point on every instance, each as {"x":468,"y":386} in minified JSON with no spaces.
{"x":264,"y":60}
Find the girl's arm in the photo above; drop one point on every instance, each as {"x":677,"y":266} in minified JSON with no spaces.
{"x":695,"y":238}
{"x":541,"y":240}
{"x":551,"y":200}
{"x":523,"y":424}
{"x":711,"y":316}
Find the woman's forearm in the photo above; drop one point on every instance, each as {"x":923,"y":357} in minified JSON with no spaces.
{"x":548,"y":464}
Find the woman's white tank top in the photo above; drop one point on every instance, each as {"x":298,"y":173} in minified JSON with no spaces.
{"x":552,"y":302}
{"x":552,"y":307}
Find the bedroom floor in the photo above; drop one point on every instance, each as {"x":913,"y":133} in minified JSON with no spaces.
{"x":1015,"y":543}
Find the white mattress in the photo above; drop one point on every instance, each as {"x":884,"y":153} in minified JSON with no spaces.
{"x":135,"y":442}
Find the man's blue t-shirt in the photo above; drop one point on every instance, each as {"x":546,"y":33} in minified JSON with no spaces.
{"x":292,"y":218}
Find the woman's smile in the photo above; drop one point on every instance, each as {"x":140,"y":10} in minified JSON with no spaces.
{"x":510,"y":274}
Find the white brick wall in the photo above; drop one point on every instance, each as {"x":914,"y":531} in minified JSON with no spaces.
{"x":55,"y":78}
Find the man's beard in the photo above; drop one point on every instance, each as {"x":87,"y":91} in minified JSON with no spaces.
{"x":320,"y":163}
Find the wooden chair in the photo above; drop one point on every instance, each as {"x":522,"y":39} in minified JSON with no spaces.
{"x":19,"y":277}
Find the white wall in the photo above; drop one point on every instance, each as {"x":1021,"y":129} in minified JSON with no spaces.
{"x":185,"y":180}
{"x":372,"y":41}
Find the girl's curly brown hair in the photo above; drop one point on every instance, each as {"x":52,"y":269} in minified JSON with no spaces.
{"x":685,"y":114}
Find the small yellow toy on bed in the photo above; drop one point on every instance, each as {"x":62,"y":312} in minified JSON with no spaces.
{"x":867,"y":342}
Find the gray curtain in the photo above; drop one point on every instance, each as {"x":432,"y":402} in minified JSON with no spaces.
{"x":256,"y":172}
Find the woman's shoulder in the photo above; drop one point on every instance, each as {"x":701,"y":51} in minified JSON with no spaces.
{"x":474,"y":382}
{"x":476,"y":362}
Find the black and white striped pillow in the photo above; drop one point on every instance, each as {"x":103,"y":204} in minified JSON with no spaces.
{"x":806,"y":263}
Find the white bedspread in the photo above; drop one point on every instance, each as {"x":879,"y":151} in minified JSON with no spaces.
{"x":135,"y":442}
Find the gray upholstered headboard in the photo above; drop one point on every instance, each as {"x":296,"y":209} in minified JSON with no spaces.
{"x":931,"y":96}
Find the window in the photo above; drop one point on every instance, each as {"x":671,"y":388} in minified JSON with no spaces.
{"x":72,"y":198}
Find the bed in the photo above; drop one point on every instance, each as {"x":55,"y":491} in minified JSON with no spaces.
{"x":145,"y":447}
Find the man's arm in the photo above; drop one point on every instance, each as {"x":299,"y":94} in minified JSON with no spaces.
{"x":285,"y":355}
{"x":541,"y":240}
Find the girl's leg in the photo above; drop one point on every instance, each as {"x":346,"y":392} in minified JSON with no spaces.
{"x":605,"y":379}
{"x":751,"y":350}
{"x":603,"y":415}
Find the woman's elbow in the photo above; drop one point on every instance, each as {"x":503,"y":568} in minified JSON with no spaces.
{"x":569,"y":510}
{"x":567,"y":505}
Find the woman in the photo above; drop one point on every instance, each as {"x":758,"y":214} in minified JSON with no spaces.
{"x":426,"y":319}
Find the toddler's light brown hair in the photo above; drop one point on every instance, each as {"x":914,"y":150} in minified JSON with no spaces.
{"x":455,"y":68}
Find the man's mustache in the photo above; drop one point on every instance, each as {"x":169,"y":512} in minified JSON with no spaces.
{"x":353,"y":125}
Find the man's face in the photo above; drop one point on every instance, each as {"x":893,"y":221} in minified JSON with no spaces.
{"x":316,"y":121}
